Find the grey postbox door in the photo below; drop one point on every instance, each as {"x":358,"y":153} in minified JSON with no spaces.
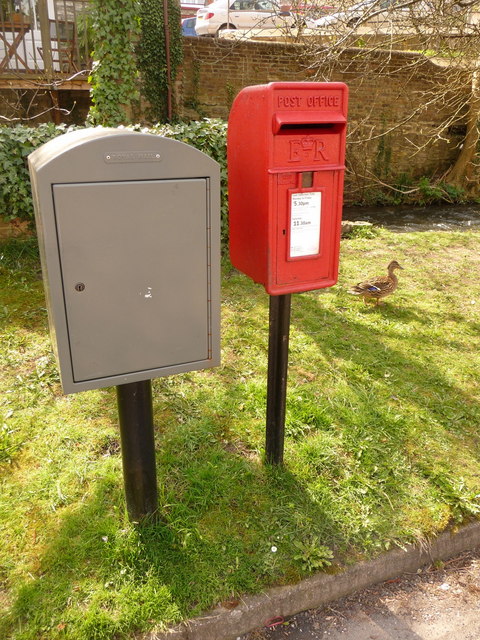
{"x":133,"y":259}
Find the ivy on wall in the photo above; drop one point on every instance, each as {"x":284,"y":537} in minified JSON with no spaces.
{"x":113,"y":80}
{"x":152,"y":54}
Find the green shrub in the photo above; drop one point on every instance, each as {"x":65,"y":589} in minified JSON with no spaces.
{"x":15,"y":145}
{"x":416,"y":192}
{"x":433,"y":193}
{"x":17,"y":142}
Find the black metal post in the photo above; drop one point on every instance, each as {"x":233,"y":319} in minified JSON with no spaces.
{"x":135,"y":413}
{"x":279,"y":331}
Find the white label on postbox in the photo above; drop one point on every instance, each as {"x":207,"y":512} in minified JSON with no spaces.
{"x":305,"y":216}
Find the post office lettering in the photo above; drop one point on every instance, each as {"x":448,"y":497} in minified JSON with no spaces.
{"x":312,"y":102}
{"x":291,"y":102}
{"x":323,"y":101}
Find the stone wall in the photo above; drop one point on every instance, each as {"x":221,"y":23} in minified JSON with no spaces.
{"x":215,"y":70}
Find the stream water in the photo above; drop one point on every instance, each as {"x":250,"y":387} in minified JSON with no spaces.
{"x":433,"y":218}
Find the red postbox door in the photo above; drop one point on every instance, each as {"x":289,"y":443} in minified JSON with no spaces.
{"x":286,"y":150}
{"x":307,"y":228}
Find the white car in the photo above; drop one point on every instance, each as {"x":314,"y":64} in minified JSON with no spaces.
{"x":374,"y":11}
{"x":241,"y":14}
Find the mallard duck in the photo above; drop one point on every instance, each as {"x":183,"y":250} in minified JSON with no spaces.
{"x":378,"y":287}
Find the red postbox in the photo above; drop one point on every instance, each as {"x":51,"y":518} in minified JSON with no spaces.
{"x":286,"y":155}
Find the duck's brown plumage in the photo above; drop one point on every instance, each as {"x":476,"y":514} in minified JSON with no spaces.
{"x":378,"y":287}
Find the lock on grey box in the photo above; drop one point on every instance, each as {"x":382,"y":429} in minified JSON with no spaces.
{"x":129,"y":232}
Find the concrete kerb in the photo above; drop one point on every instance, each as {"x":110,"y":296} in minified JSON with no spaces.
{"x":254,"y":611}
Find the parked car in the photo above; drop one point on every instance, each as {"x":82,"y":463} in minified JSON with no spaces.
{"x":374,"y":12}
{"x":241,"y":14}
{"x":313,"y":10}
{"x":188,"y":26}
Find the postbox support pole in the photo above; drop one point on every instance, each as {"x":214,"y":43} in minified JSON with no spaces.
{"x":279,"y":331}
{"x":135,"y":413}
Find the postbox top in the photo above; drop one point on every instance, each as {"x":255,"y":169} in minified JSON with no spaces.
{"x":294,"y":103}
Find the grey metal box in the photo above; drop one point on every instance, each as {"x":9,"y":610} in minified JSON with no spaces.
{"x":129,"y":233}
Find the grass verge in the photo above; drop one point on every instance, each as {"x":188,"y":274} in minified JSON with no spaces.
{"x":382,"y":447}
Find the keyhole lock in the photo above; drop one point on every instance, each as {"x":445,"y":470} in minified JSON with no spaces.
{"x":80,"y":286}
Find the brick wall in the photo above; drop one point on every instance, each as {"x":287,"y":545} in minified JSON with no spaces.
{"x":215,"y":70}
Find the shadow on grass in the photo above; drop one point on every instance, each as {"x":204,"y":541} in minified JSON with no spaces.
{"x":221,"y":518}
{"x":415,"y":377}
{"x":230,"y":525}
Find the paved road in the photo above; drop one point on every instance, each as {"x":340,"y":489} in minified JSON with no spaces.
{"x":438,"y":603}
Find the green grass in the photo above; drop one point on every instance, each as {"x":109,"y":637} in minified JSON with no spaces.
{"x":382,"y":447}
